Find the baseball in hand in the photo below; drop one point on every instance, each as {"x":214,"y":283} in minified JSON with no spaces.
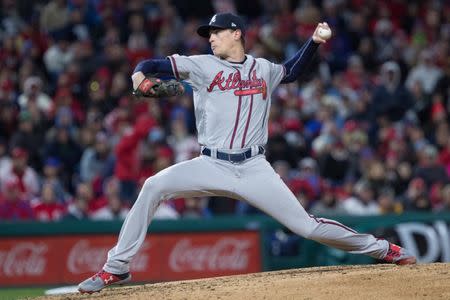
{"x":324,"y":33}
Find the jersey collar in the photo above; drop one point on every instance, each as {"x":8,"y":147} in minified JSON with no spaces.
{"x":239,"y":65}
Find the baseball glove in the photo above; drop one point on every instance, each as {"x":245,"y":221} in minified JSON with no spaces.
{"x":156,"y":88}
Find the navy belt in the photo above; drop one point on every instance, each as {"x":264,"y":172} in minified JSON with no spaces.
{"x":233,"y":157}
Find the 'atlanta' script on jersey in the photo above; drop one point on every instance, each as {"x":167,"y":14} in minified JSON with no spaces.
{"x":251,"y":86}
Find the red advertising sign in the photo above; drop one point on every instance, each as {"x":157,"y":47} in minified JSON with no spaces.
{"x":210,"y":254}
{"x":85,"y":255}
{"x":70,"y":259}
{"x":28,"y":261}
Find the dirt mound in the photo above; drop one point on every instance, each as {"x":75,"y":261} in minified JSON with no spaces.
{"x":426,"y":281}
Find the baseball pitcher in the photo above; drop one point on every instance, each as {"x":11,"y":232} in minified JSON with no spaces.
{"x":232,"y":96}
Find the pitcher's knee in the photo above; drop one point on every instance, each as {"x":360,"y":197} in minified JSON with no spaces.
{"x":154,"y":186}
{"x":311,"y":234}
{"x":306,"y":227}
{"x":303,"y":231}
{"x":148,"y":184}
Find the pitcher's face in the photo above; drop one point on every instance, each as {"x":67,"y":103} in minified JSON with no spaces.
{"x":222,"y":40}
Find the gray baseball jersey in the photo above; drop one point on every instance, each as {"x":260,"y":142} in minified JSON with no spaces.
{"x":231,"y":100}
{"x":232,"y":103}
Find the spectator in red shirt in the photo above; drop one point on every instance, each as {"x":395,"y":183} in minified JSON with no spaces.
{"x":46,"y":207}
{"x":19,"y":170}
{"x":127,"y":155}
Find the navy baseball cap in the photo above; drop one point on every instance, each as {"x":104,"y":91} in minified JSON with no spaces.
{"x":222,"y":21}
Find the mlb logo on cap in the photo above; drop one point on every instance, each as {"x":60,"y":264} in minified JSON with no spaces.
{"x":222,"y":21}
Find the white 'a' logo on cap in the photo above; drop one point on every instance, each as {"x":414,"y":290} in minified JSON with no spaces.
{"x":232,"y":24}
{"x":213,"y":19}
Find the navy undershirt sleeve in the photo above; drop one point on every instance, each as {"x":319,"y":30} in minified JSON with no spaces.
{"x":299,"y":61}
{"x":155,"y":67}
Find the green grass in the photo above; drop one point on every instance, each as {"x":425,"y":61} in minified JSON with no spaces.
{"x":20,"y":293}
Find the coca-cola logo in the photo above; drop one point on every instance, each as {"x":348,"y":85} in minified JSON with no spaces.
{"x":24,"y":259}
{"x":227,"y":254}
{"x":84,"y":257}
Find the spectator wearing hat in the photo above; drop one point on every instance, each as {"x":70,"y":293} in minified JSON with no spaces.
{"x":46,"y":207}
{"x":50,"y":175}
{"x":390,"y":98}
{"x":34,"y":95}
{"x":24,"y":176}
{"x":363,"y":202}
{"x":28,"y":136}
{"x":13,"y":206}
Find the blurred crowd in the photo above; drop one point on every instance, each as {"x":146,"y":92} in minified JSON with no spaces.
{"x":364,"y":131}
